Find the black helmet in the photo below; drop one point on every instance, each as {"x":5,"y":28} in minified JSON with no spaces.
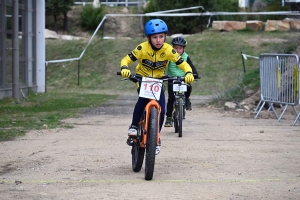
{"x":179,"y":41}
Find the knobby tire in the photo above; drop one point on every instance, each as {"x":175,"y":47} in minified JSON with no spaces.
{"x":184,"y":107}
{"x":151,"y":144}
{"x":175,"y":117}
{"x":137,"y":154}
{"x":180,"y":117}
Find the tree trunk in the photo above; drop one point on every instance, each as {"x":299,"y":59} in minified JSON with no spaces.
{"x":55,"y":22}
{"x":65,"y":21}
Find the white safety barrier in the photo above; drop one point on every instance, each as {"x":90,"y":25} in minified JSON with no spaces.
{"x":279,"y":82}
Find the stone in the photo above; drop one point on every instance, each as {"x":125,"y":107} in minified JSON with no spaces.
{"x":177,"y":35}
{"x":228,"y":25}
{"x":255,"y":25}
{"x":51,"y":34}
{"x":295,"y":24}
{"x":108,"y":38}
{"x":277,"y":25}
{"x":69,"y":37}
{"x":96,"y":4}
{"x":229,"y":106}
{"x":125,"y":10}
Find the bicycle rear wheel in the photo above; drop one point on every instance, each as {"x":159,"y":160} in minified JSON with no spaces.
{"x":175,"y":118}
{"x":151,"y":144}
{"x":137,"y":152}
{"x":184,"y":107}
{"x":180,"y":117}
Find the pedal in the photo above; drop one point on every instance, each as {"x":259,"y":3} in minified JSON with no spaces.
{"x":129,"y":141}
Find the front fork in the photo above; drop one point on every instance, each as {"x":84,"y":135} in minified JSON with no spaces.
{"x":177,"y":96}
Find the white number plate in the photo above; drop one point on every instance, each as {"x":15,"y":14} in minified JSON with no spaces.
{"x":150,"y":88}
{"x":179,"y":87}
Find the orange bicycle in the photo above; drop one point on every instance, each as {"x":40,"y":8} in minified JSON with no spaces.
{"x":148,"y":134}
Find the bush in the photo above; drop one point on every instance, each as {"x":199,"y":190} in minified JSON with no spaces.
{"x":90,"y":17}
{"x":185,"y":25}
{"x":189,"y":25}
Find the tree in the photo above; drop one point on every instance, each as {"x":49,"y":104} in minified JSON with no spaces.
{"x":57,"y":7}
{"x":293,"y":5}
{"x":179,"y":24}
{"x":190,"y":24}
{"x":272,"y":1}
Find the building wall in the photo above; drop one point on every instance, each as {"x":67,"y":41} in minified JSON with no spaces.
{"x":22,"y":47}
{"x":243,"y":3}
{"x":40,"y":46}
{"x":246,"y":3}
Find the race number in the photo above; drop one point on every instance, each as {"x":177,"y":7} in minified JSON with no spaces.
{"x":150,"y":88}
{"x":179,"y":87}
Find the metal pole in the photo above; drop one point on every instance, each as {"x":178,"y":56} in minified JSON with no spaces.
{"x":243,"y":62}
{"x":3,"y":50}
{"x":46,"y":77}
{"x":141,"y":17}
{"x":78,"y":71}
{"x":102,"y":32}
{"x":201,"y":23}
{"x":15,"y":48}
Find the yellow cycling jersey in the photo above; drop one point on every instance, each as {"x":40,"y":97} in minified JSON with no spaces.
{"x":154,"y":63}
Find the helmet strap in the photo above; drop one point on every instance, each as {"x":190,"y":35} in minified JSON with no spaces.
{"x":153,"y":47}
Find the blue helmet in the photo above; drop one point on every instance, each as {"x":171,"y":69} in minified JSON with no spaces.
{"x":155,"y":26}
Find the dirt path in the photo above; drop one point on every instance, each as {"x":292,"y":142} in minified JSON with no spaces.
{"x":220,"y":156}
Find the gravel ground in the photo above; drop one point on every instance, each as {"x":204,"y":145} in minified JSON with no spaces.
{"x":222,"y":155}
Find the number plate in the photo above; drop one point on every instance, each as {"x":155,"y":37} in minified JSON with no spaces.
{"x":150,"y":88}
{"x":179,"y":87}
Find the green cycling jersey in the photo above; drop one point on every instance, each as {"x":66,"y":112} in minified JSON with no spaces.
{"x":173,"y":70}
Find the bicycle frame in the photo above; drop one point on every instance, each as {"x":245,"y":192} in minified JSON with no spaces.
{"x":148,"y":136}
{"x":145,"y":122}
{"x":179,"y":107}
{"x":179,"y":111}
{"x":179,"y":95}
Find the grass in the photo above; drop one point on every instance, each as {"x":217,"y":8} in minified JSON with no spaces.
{"x":41,"y":111}
{"x":216,"y":55}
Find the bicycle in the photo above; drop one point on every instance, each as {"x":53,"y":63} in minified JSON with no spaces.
{"x":179,"y":111}
{"x":148,"y":134}
{"x":179,"y":108}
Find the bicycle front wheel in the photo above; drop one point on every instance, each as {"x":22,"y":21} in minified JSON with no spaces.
{"x":151,"y":144}
{"x":137,"y":153}
{"x":175,"y":118}
{"x":180,"y":116}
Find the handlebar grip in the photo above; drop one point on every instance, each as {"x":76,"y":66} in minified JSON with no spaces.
{"x":118,"y":73}
{"x":195,"y":75}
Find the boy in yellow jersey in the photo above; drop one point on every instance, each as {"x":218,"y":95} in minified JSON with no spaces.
{"x":153,"y":57}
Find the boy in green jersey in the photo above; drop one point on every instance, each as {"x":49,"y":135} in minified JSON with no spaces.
{"x":179,"y":43}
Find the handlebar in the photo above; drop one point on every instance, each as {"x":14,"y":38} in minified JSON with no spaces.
{"x":136,"y":77}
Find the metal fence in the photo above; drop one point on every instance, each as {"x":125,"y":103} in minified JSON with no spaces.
{"x":279,"y":83}
{"x":113,"y":2}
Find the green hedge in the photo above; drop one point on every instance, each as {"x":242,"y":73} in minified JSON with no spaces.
{"x":90,"y":17}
